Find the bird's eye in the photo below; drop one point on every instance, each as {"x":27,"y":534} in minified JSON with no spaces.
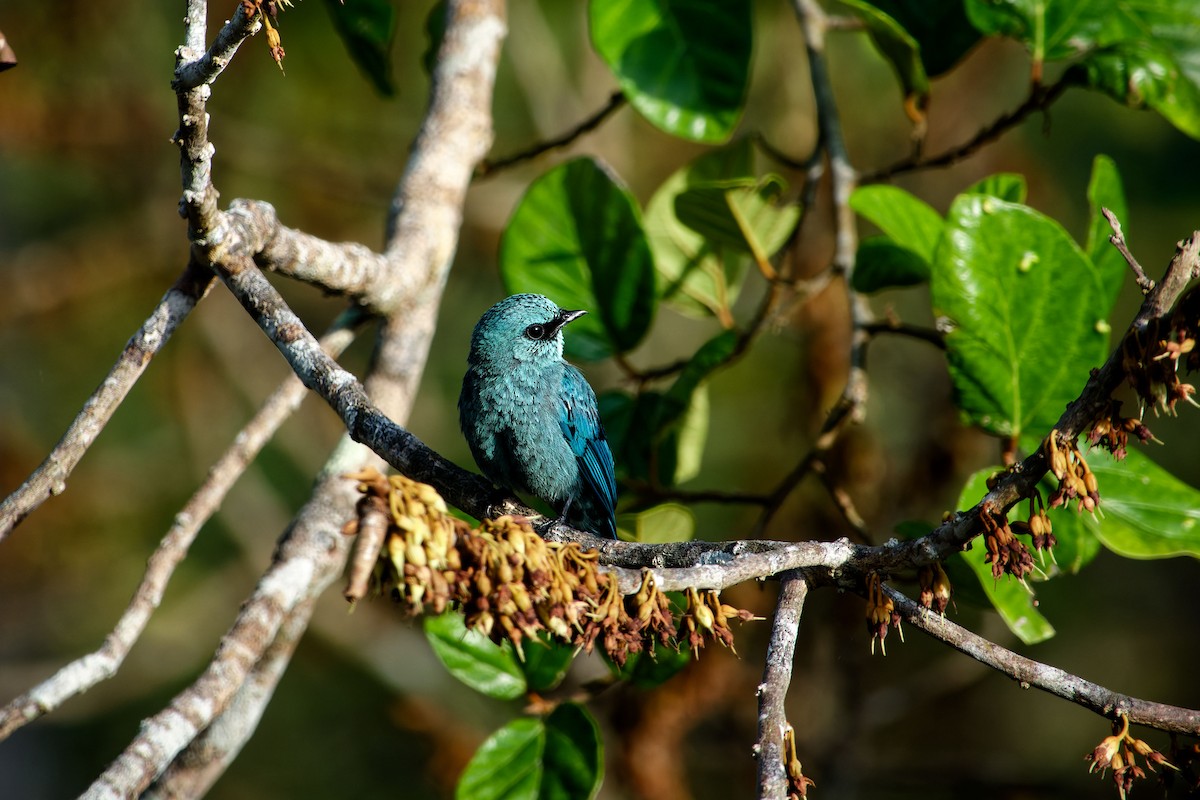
{"x":536,"y":331}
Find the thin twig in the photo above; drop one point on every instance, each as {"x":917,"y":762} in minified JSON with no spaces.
{"x":646,"y":494}
{"x":50,"y":478}
{"x":1118,"y":241}
{"x":910,"y":331}
{"x":489,"y":167}
{"x":772,"y":692}
{"x":844,"y":504}
{"x":1050,"y":679}
{"x":85,"y":672}
{"x":1040,"y":98}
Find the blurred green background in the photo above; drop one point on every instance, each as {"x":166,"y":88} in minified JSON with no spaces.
{"x":90,"y":239}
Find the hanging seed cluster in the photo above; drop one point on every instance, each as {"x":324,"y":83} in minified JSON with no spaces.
{"x":1120,"y":752}
{"x":1151,"y":356}
{"x":512,"y":584}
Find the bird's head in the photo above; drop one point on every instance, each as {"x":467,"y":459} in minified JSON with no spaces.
{"x":520,"y":329}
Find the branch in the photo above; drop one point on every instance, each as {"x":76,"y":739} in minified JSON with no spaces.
{"x":1040,"y":98}
{"x":487,"y":167}
{"x":85,"y":672}
{"x":197,"y":71}
{"x":772,"y":692}
{"x":50,"y":478}
{"x":454,"y":134}
{"x":307,"y":560}
{"x":1118,"y":241}
{"x":1028,"y":672}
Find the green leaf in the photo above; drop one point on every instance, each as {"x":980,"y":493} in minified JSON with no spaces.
{"x":473,"y":658}
{"x":669,"y":522}
{"x":744,"y":214}
{"x":1008,"y":186}
{"x":1051,"y":29}
{"x":693,"y":277}
{"x":1139,"y":52}
{"x":1106,"y":191}
{"x":573,"y":761}
{"x":897,"y":46}
{"x":909,"y":222}
{"x":1010,"y":597}
{"x":1146,"y":73}
{"x":942,"y":30}
{"x":881,"y":264}
{"x":367,"y":28}
{"x":1147,"y":511}
{"x":576,"y":237}
{"x":546,"y":663}
{"x":1023,"y":304}
{"x":508,"y":766}
{"x":665,"y":431}
{"x":684,"y":64}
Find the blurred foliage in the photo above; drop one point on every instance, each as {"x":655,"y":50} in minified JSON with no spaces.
{"x":88,"y":191}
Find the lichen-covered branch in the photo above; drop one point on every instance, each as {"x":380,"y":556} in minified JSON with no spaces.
{"x":85,"y":672}
{"x":772,"y":692}
{"x":1050,"y":679}
{"x":50,"y":478}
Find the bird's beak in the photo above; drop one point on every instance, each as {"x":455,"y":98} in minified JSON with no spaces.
{"x":563,"y":318}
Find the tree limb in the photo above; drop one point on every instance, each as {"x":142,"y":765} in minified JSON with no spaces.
{"x":85,"y":672}
{"x":772,"y":692}
{"x":1060,"y":683}
{"x":50,"y":478}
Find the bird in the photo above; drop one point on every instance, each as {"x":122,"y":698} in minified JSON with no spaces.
{"x":530,"y":418}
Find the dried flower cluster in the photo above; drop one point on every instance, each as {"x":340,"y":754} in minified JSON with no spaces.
{"x":1120,"y":752}
{"x":268,"y":12}
{"x":1076,"y":481}
{"x":798,"y":782}
{"x":510,"y":583}
{"x":1005,"y":552}
{"x":881,"y":613}
{"x":1151,"y":356}
{"x":1112,"y":431}
{"x":935,"y":587}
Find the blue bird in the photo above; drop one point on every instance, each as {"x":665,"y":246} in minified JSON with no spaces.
{"x":530,"y":417}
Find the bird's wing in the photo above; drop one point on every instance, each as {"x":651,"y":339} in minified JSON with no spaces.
{"x":580,"y":423}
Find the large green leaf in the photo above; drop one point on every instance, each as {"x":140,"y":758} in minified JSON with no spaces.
{"x":693,"y":277}
{"x":473,"y":658}
{"x":683,"y":64}
{"x":1147,"y":511}
{"x":898,"y":46}
{"x":556,"y":758}
{"x":745,"y":214}
{"x":367,"y":28}
{"x":577,"y":238}
{"x":1106,"y":191}
{"x":1145,"y":73}
{"x":1023,"y":304}
{"x":942,"y":30}
{"x":1140,"y":52}
{"x":573,"y":760}
{"x":508,"y":766}
{"x":1051,"y":29}
{"x":907,"y":220}
{"x":1013,"y":600}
